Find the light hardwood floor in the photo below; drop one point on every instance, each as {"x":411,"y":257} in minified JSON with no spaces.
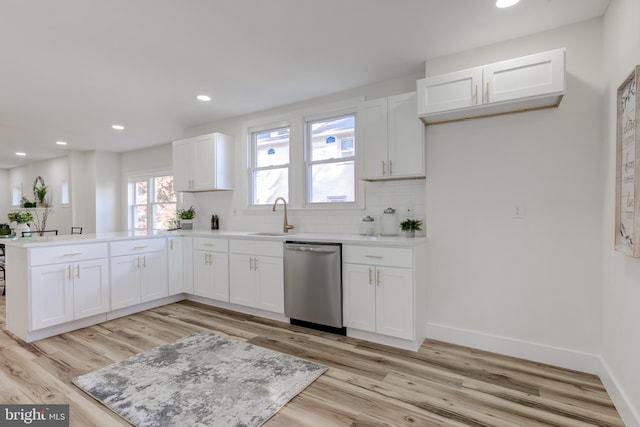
{"x":366,"y":384}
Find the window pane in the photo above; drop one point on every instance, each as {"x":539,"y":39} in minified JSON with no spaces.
{"x":271,"y":147}
{"x":332,"y":182}
{"x":139,"y":217}
{"x":269,"y":185}
{"x":332,"y":138}
{"x":164,"y":216}
{"x":141,"y":193}
{"x":163,"y":186}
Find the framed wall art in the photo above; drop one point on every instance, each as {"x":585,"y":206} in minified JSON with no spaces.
{"x":627,"y":233}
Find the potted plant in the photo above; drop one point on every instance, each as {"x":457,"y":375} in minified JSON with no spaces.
{"x":410,"y":226}
{"x":41,"y":193}
{"x":186,"y":217}
{"x":21,"y":219}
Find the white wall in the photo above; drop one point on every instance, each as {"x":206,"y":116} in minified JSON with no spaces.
{"x":621,"y":284}
{"x":107,"y":191}
{"x":527,"y":287}
{"x":54,"y":172}
{"x":231,"y":206}
{"x":5,"y":196}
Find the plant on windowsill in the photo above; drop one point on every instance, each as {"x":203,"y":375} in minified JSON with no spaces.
{"x":186,"y":217}
{"x":410,"y":226}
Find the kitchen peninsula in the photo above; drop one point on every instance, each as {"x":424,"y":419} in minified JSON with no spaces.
{"x":62,"y":283}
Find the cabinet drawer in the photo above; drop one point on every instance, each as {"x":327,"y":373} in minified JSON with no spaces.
{"x":208,"y":244}
{"x":137,"y":246}
{"x":68,"y":253}
{"x":395,"y":257}
{"x":256,"y":247}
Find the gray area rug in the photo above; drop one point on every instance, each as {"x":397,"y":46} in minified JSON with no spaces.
{"x":201,"y":380}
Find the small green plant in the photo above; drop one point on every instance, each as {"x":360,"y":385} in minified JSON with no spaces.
{"x":41,"y":193}
{"x":20,"y":217}
{"x":187,"y":213}
{"x":411,"y":225}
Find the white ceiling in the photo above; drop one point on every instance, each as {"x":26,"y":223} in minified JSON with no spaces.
{"x":69,"y":69}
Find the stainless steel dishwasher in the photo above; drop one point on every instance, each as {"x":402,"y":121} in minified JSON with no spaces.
{"x":313,"y":285}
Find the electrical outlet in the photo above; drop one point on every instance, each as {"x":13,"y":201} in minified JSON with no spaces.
{"x":517,"y":211}
{"x":410,"y":212}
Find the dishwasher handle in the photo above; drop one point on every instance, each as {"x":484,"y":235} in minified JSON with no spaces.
{"x":325,"y":249}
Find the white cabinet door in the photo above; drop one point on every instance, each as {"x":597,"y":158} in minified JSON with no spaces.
{"x":51,"y":295}
{"x":450,"y":91}
{"x":204,"y":160}
{"x":211,"y":275}
{"x":269,"y":272}
{"x":125,"y":281}
{"x":371,"y":143}
{"x":153,"y":275}
{"x":220,"y":265}
{"x":525,"y":77}
{"x":203,"y":163}
{"x":394,"y":302}
{"x":182,"y":166}
{"x":176,"y":265}
{"x":202,"y":274}
{"x":242,"y":284}
{"x":90,"y":287}
{"x":406,"y":138}
{"x":359,"y":297}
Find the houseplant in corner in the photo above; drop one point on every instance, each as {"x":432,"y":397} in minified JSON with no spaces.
{"x":410,"y":226}
{"x":21,"y":219}
{"x":186,"y":217}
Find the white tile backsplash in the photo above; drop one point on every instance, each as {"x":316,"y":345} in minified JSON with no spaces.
{"x":399,"y":195}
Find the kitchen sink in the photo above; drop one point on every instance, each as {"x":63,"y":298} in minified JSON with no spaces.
{"x":268,"y":233}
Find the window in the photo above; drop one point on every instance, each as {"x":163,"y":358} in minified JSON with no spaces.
{"x":16,"y":195}
{"x":330,"y":160}
{"x":269,"y":165}
{"x":152,"y":203}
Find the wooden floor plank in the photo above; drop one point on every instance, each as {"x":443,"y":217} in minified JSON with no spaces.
{"x":366,"y":385}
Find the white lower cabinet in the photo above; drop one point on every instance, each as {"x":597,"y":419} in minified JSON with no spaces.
{"x":379,"y":298}
{"x":179,"y":261}
{"x":138,"y":272}
{"x":211,"y":268}
{"x":257,"y":274}
{"x":70,"y":290}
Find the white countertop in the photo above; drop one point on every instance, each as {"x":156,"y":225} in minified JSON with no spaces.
{"x":391,"y":241}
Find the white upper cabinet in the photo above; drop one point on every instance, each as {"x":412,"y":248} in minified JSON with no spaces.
{"x":451,"y":91}
{"x":390,"y":139}
{"x":203,"y":163}
{"x":520,"y":84}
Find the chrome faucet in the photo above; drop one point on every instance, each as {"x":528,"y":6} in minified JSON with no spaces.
{"x":286,"y":226}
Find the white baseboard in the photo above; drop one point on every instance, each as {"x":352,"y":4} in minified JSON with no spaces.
{"x":556,"y":356}
{"x":541,"y":353}
{"x":629,"y":414}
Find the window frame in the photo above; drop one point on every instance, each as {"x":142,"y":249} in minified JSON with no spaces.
{"x":309,"y":163}
{"x":151,"y":203}
{"x":252,"y":157}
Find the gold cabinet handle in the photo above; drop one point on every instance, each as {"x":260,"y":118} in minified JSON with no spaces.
{"x":378,"y":277}
{"x":78,"y":271}
{"x":475,"y":95}
{"x":487,"y":97}
{"x":171,"y":244}
{"x":250,"y":263}
{"x":390,"y":167}
{"x":383,"y":168}
{"x":69,"y":274}
{"x":373,"y":256}
{"x":370,"y":279}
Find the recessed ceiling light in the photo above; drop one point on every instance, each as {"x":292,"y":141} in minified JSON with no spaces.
{"x":203,"y":98}
{"x":118,"y":127}
{"x":20,"y":154}
{"x":61,"y":142}
{"x":506,"y":3}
